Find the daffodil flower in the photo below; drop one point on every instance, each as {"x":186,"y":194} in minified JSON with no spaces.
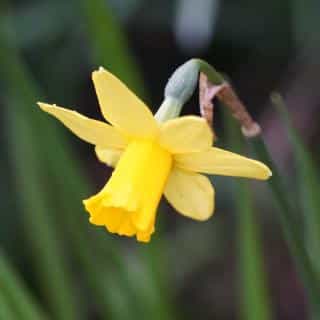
{"x":150,"y":159}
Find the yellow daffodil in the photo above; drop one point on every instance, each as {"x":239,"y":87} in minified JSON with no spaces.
{"x":150,"y":159}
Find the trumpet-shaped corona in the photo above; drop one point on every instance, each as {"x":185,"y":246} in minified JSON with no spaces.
{"x":128,"y":203}
{"x":150,"y":159}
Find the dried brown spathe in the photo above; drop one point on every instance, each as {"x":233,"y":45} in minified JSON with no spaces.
{"x":225,"y":93}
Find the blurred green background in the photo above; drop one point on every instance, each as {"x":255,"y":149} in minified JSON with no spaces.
{"x":54,"y":264}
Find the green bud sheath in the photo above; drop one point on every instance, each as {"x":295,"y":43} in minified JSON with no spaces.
{"x":178,"y":90}
{"x":169,"y":109}
{"x":183,"y":81}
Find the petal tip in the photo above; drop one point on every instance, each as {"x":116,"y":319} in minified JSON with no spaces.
{"x":43,"y":106}
{"x":209,"y":213}
{"x":205,"y":217}
{"x":145,"y":239}
{"x":98,"y":72}
{"x":267,"y":173}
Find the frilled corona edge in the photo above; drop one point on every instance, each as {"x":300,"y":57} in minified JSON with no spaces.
{"x":150,"y":159}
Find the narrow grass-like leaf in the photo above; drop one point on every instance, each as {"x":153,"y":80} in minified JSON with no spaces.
{"x":255,"y":302}
{"x":38,"y":221}
{"x":53,"y":157}
{"x":308,"y":188}
{"x":287,"y":214}
{"x":308,"y":184}
{"x":157,"y":289}
{"x":108,"y":43}
{"x":100,"y":260}
{"x":21,"y":301}
{"x":52,"y":146}
{"x":290,"y":226}
{"x":38,"y":217}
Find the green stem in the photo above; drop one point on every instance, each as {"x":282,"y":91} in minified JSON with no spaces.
{"x":308,"y":188}
{"x":286,"y":213}
{"x":213,"y":75}
{"x":254,"y":295}
{"x":290,"y":226}
{"x":255,"y":298}
{"x":308,"y":183}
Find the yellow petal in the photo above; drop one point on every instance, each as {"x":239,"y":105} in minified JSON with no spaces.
{"x":190,"y":193}
{"x":108,"y":156}
{"x":145,"y":236}
{"x":121,"y":107}
{"x":133,"y":191}
{"x":114,"y":219}
{"x":186,"y":134}
{"x":222,"y":162}
{"x":89,"y":130}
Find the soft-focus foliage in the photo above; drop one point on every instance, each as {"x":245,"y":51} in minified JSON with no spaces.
{"x":54,"y":265}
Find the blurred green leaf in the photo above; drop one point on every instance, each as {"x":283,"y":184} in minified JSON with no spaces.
{"x":29,"y":17}
{"x":287,"y":213}
{"x":17,"y":296}
{"x":54,"y":157}
{"x":305,"y":26}
{"x":47,"y":152}
{"x":108,"y":43}
{"x":8,"y":208}
{"x":290,"y":226}
{"x":5,"y":310}
{"x":255,"y":301}
{"x":38,"y":216}
{"x":154,"y":279}
{"x":38,"y":221}
{"x":308,"y":184}
{"x":124,"y":8}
